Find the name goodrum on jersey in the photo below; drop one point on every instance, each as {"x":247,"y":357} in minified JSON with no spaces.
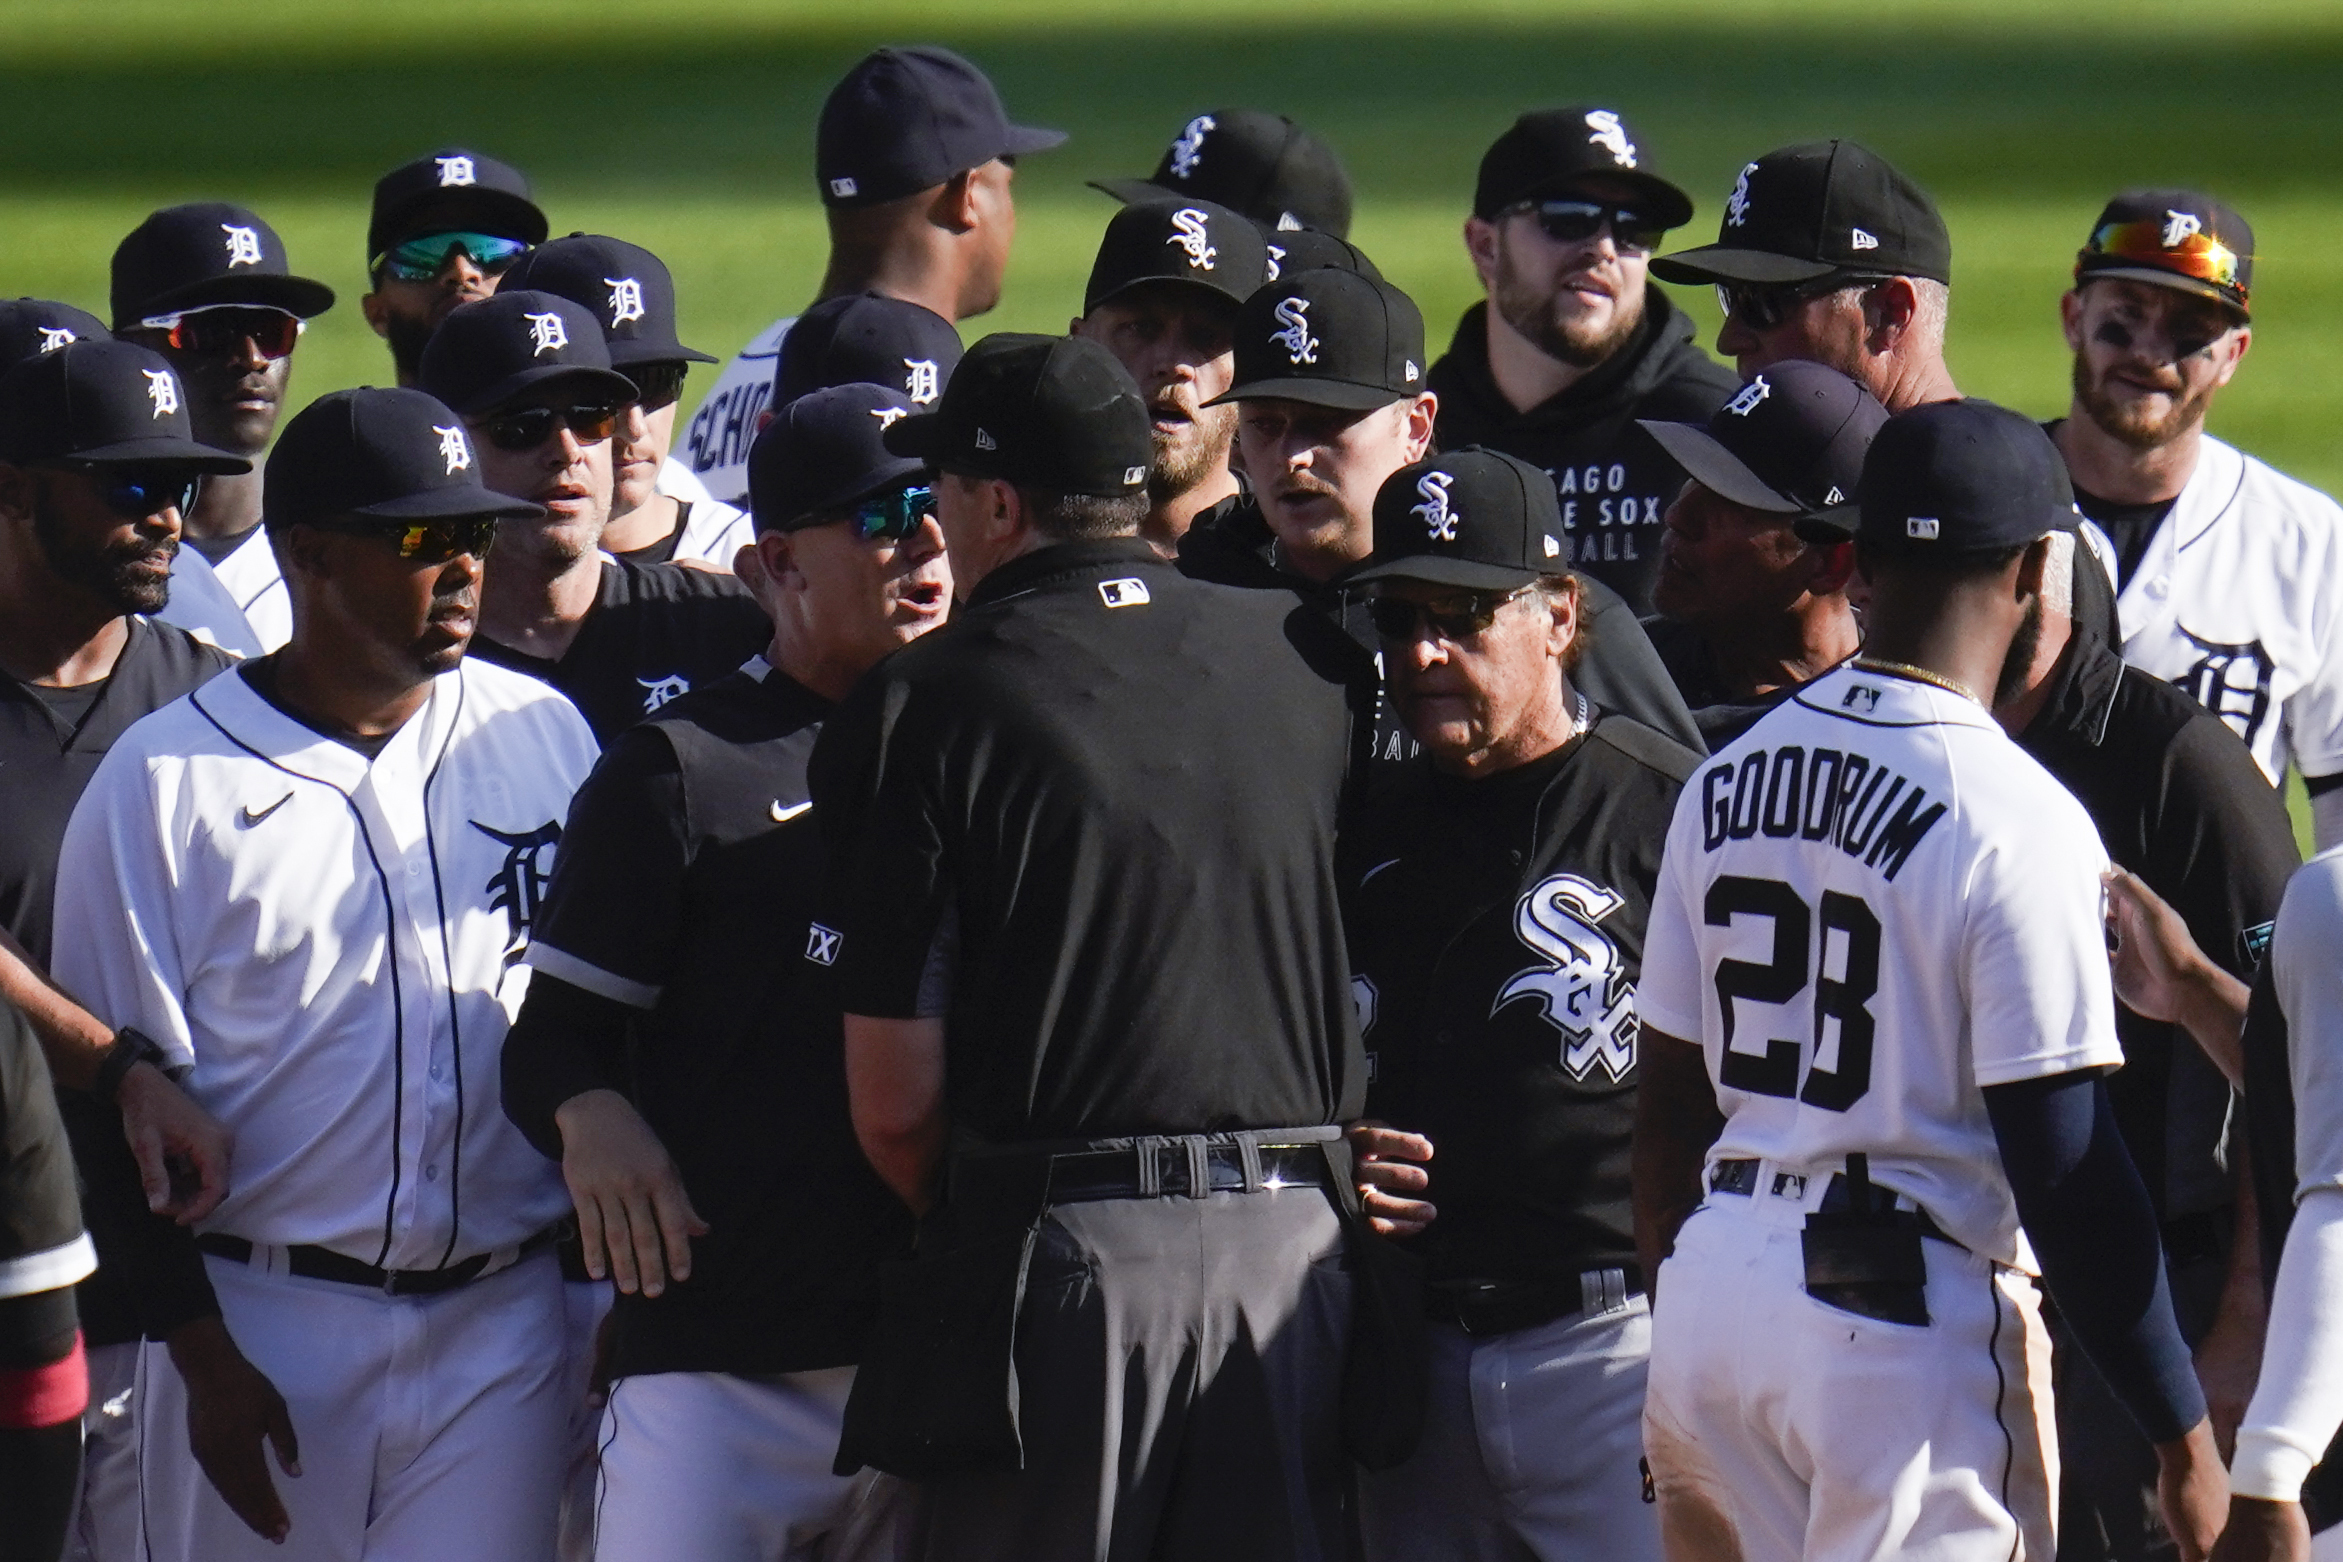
{"x":1857,"y":804}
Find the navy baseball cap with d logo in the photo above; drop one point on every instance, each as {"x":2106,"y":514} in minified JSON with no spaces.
{"x":1056,"y":412}
{"x":626,"y":285}
{"x":1475,"y":518}
{"x":867,"y":339}
{"x":1949,"y":478}
{"x":906,"y":120}
{"x":1790,"y":443}
{"x":826,"y":450}
{"x":1330,"y":338}
{"x":30,"y":327}
{"x":486,"y":353}
{"x":194,"y":257}
{"x":102,"y":403}
{"x":396,"y":456}
{"x":452,"y":190}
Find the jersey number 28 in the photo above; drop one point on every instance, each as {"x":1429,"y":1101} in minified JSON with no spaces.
{"x":1843,"y":998}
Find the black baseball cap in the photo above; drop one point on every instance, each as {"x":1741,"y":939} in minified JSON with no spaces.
{"x":1057,"y":413}
{"x":30,"y":327}
{"x":1805,"y":212}
{"x":1198,"y":244}
{"x":1263,"y":165}
{"x":826,"y":450}
{"x":1949,"y":478}
{"x":2173,"y":238}
{"x":190,"y":257}
{"x":1791,"y":443}
{"x":452,"y":190}
{"x":906,"y":120}
{"x":391,"y":455}
{"x":486,"y":353}
{"x":870,"y":339}
{"x":106,"y":403}
{"x":1292,"y":252}
{"x":1476,"y":518}
{"x":1331,"y":338}
{"x":625,"y":285}
{"x":1550,"y":150}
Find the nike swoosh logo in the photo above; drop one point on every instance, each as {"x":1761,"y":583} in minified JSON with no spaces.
{"x":783,"y":815}
{"x":252,"y":816}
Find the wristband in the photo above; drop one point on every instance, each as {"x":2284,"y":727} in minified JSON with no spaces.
{"x":131,"y":1047}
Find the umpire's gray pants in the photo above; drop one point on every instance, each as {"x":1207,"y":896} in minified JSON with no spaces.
{"x":1179,"y":1367}
{"x":1531,"y":1449}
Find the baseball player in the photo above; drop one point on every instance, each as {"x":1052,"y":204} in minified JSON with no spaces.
{"x":2229,"y":574}
{"x":209,"y":288}
{"x":912,"y":161}
{"x":1876,"y":1006}
{"x":867,"y":339}
{"x":442,"y":231}
{"x":312,"y":882}
{"x":659,"y":512}
{"x":1262,"y":165}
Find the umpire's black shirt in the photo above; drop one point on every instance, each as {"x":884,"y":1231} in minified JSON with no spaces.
{"x":1614,"y":479}
{"x":657,"y":631}
{"x":677,"y":960}
{"x":1096,"y":834}
{"x":1496,"y":931}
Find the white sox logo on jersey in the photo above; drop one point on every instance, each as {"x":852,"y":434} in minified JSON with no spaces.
{"x":1439,"y":520}
{"x":658,"y":691}
{"x":1751,"y":394}
{"x":546,"y":334}
{"x":1188,"y":150}
{"x":54,"y":337}
{"x":1583,"y":987}
{"x":243,"y":245}
{"x":626,"y":299}
{"x":518,"y":887}
{"x":919,"y":381}
{"x":1300,"y":346}
{"x":2232,"y":681}
{"x":454,"y":171}
{"x":1605,"y":131}
{"x":1737,"y":204}
{"x":162,"y":390}
{"x":1193,"y":237}
{"x":2180,"y":226}
{"x":452,"y":448}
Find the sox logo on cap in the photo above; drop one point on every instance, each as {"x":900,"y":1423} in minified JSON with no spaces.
{"x":1192,"y":236}
{"x":1188,"y":150}
{"x":1439,"y":520}
{"x":1300,"y":346}
{"x":1611,"y":136}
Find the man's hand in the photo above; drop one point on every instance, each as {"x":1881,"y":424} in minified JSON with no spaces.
{"x":1389,"y":1165}
{"x":231,"y":1409}
{"x":2260,"y":1530}
{"x":2192,"y":1488}
{"x":167,"y":1130}
{"x":634,"y":1217}
{"x":2161,"y":974}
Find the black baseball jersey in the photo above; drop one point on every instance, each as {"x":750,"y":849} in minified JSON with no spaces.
{"x":657,"y":631}
{"x":1496,"y":932}
{"x":41,"y":1243}
{"x":1614,"y":480}
{"x":1231,"y":545}
{"x":683,"y":919}
{"x":1091,"y":823}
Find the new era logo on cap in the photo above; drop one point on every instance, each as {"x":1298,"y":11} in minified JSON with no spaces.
{"x":1862,"y":240}
{"x":985,"y":441}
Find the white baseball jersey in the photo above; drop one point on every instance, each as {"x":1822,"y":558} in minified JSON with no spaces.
{"x":239,"y":604}
{"x":715,"y":443}
{"x":1871,"y":906}
{"x":713,"y":531}
{"x":336,"y":946}
{"x":2239,"y":600}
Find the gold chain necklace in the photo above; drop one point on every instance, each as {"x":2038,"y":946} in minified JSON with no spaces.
{"x":1920,"y":674}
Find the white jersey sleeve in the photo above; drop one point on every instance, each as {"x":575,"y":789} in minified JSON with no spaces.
{"x":1667,"y":992}
{"x":2033,"y":955}
{"x":2306,"y":968}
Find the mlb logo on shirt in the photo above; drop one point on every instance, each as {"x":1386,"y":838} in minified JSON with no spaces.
{"x":1862,"y":697}
{"x":821,"y":944}
{"x":1128,"y":592}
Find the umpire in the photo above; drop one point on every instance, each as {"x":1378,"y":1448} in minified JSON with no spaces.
{"x":1495,"y":896}
{"x":1098,"y":1025}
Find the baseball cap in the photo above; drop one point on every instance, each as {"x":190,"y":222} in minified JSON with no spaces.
{"x":1194,"y":243}
{"x":1791,"y":443}
{"x":1475,"y":518}
{"x":1549,"y":150}
{"x":906,"y":120}
{"x":1806,"y":211}
{"x":2173,"y":238}
{"x":867,"y":338}
{"x":1961,"y":477}
{"x":1331,"y":338}
{"x":103,"y":402}
{"x":624,"y":284}
{"x":1054,"y":412}
{"x":452,"y":190}
{"x":824,"y":451}
{"x":396,"y":455}
{"x":486,"y":353}
{"x":1263,"y":165}
{"x":189,"y":257}
{"x":1294,"y":251}
{"x":30,"y":327}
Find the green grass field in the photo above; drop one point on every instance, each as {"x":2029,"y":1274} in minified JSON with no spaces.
{"x":687,"y":125}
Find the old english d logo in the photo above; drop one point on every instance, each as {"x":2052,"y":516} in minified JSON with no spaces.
{"x":517,"y":887}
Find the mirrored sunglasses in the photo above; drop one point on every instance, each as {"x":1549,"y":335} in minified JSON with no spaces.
{"x":526,"y":428}
{"x":136,"y":494}
{"x":1459,"y":618}
{"x":889,"y":517}
{"x":226,"y":328}
{"x":2199,"y":255}
{"x":1575,"y":222}
{"x":435,"y":541}
{"x":419,"y":260}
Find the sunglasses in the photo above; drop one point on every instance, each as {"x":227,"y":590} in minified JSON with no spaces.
{"x":1396,"y":618}
{"x":1763,"y":305}
{"x":1574,"y":222}
{"x":657,"y":384}
{"x":419,"y":260}
{"x":226,"y":328}
{"x":135,"y":495}
{"x":883,"y":517}
{"x":426,"y":542}
{"x":2199,"y":255}
{"x":528,"y":427}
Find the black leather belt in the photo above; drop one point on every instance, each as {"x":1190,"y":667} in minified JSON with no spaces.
{"x":318,"y":1263}
{"x":1484,"y":1307}
{"x":1740,"y":1176}
{"x":1189,"y":1170}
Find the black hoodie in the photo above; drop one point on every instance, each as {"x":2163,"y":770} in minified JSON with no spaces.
{"x":1615,"y":480}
